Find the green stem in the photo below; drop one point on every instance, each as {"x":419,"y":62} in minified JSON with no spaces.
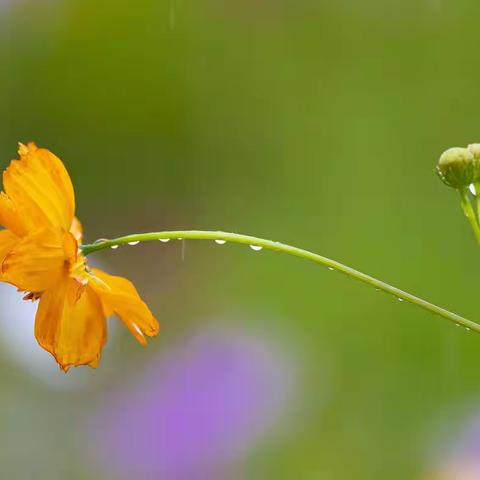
{"x":288,"y":249}
{"x":470,"y":212}
{"x":477,"y":198}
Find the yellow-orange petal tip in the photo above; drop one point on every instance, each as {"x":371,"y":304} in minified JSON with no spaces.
{"x":94,"y":363}
{"x":22,"y":149}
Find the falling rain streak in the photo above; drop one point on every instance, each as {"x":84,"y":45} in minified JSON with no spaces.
{"x":172,"y":15}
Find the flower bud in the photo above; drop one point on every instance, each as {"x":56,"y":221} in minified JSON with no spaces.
{"x":458,"y":168}
{"x":474,"y":148}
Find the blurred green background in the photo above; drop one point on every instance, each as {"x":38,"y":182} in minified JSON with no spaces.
{"x":317,"y":123}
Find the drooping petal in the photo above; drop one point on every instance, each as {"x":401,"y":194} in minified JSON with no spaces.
{"x":38,"y":192}
{"x":119,"y":296}
{"x":38,"y":260}
{"x":70,"y":324}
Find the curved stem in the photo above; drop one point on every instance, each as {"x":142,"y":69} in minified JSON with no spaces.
{"x":284,"y":248}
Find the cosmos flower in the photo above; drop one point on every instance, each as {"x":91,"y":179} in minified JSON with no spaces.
{"x":39,"y":254}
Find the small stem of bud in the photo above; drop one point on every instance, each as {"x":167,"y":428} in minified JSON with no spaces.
{"x":476,"y":185}
{"x":470,"y":212}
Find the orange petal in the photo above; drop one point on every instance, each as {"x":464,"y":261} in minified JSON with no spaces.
{"x":38,"y":260}
{"x":119,"y":296}
{"x":7,"y":241}
{"x":70,"y":324}
{"x":38,"y":192}
{"x":76,"y":230}
{"x":9,"y":216}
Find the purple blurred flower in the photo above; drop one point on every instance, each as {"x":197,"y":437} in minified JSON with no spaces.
{"x":462,"y":460}
{"x":196,"y":411}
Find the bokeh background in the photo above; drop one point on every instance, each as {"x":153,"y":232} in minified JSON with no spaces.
{"x":317,"y":123}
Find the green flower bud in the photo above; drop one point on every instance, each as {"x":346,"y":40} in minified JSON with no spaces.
{"x":474,"y":148}
{"x":458,"y":168}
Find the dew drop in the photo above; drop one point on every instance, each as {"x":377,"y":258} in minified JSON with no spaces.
{"x":180,"y":238}
{"x":220,"y":242}
{"x":400,"y":299}
{"x":256,"y":247}
{"x":457,"y":324}
{"x":164,"y":240}
{"x":114,"y":247}
{"x":467,"y":329}
{"x":471,"y":187}
{"x":331,"y":269}
{"x":134,"y":243}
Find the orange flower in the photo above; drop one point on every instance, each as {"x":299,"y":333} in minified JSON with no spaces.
{"x":39,"y":254}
